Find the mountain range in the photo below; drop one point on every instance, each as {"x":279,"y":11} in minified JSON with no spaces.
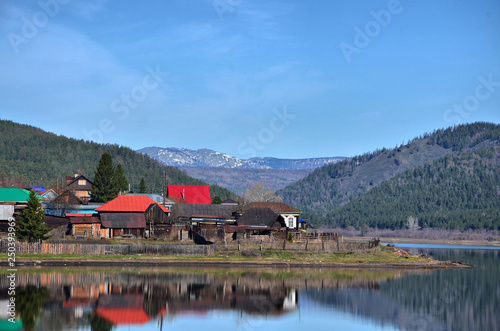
{"x":183,"y":157}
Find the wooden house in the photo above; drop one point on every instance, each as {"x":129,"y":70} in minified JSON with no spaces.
{"x":130,"y":216}
{"x":206,"y":219}
{"x":257,"y":222}
{"x":290,"y":215}
{"x":80,"y":185}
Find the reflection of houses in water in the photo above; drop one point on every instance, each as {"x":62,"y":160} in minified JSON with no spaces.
{"x":200,"y":298}
{"x":137,"y":298}
{"x":132,"y":305}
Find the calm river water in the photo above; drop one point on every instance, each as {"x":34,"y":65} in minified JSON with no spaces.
{"x":166,"y":299}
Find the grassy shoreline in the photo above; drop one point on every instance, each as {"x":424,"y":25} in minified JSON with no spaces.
{"x":379,"y":257}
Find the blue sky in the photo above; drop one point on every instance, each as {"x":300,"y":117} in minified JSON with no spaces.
{"x":289,"y":79}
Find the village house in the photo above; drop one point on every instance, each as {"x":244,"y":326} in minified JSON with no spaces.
{"x":80,"y":185}
{"x":129,"y":216}
{"x":12,"y":201}
{"x":68,"y":203}
{"x":290,"y":215}
{"x":206,"y":219}
{"x":257,"y":221}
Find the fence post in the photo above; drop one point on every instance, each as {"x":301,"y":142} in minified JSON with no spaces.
{"x":261,"y":244}
{"x":322,"y":244}
{"x":284,"y":244}
{"x":307,"y":243}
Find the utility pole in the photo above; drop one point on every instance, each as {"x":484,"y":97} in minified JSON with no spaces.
{"x":164,"y":186}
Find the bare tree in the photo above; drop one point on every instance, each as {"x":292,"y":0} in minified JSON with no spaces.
{"x":260,"y":193}
{"x":412,"y":223}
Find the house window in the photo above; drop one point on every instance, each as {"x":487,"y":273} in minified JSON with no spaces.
{"x":82,"y":182}
{"x":290,"y":222}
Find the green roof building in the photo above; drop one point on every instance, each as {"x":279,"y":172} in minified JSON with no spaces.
{"x":14,"y":195}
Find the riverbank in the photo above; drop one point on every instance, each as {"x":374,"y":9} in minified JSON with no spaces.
{"x":377,"y":258}
{"x":146,"y":263}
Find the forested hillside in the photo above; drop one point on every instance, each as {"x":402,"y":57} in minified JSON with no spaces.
{"x":36,"y":157}
{"x":459,"y":191}
{"x":333,"y":186}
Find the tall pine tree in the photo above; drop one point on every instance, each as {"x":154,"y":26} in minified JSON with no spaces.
{"x":121,"y":182}
{"x":30,"y":225}
{"x":103,"y":188}
{"x":142,"y":186}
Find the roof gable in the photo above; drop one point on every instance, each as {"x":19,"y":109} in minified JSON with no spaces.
{"x":261,"y":217}
{"x":129,"y":203}
{"x":74,"y":184}
{"x":67,"y":197}
{"x":197,"y":194}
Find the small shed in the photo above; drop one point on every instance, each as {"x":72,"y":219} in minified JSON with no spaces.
{"x":85,"y":225}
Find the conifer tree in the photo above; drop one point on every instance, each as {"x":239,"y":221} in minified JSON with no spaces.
{"x":142,"y":186}
{"x":216,"y":200}
{"x":121,"y":182}
{"x":30,"y":225}
{"x":103,"y":189}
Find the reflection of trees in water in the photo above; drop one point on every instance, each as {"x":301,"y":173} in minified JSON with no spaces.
{"x":29,"y":303}
{"x":466,"y":299}
{"x":368,"y":303}
{"x":460,"y":299}
{"x":98,"y":323}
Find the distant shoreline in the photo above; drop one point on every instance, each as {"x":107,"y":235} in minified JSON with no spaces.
{"x":395,"y":240}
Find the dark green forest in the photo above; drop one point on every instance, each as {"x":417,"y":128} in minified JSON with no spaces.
{"x":460,"y":191}
{"x":31,"y":156}
{"x":336,"y":194}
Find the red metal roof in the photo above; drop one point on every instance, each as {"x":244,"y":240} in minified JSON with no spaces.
{"x":197,"y":194}
{"x":129,"y":203}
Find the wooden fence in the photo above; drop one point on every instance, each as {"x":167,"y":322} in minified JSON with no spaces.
{"x":305,"y":236}
{"x":315,"y":245}
{"x":97,"y":249}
